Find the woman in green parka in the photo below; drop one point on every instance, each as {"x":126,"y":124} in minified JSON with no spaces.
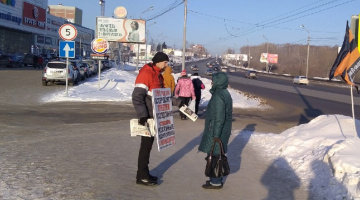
{"x":218,"y":122}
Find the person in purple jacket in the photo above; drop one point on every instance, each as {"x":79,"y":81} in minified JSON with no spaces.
{"x":184,"y":90}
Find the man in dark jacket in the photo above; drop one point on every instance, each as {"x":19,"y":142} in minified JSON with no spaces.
{"x":149,"y":78}
{"x":198,"y":86}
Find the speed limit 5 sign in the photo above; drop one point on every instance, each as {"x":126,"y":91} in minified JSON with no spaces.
{"x":67,"y":32}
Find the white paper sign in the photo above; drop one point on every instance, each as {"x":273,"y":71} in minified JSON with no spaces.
{"x":163,"y":117}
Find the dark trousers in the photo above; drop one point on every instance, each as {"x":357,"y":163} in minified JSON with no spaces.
{"x":184,"y":100}
{"x":144,"y":157}
{"x":197,"y":102}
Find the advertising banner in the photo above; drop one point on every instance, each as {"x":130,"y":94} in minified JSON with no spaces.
{"x":240,"y":57}
{"x":272,"y":58}
{"x":34,"y":16}
{"x":263,"y":57}
{"x":120,"y":30}
{"x":163,"y":117}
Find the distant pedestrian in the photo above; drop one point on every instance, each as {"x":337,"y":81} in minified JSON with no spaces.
{"x":169,"y":81}
{"x":217,"y":123}
{"x":40,"y":62}
{"x":35,"y":61}
{"x":184,"y":90}
{"x":198,"y":86}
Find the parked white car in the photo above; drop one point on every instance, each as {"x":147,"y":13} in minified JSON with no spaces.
{"x":55,"y":71}
{"x":301,"y":80}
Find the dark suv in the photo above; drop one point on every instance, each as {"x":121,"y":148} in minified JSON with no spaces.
{"x":10,"y":61}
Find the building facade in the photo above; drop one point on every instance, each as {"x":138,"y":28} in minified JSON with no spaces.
{"x":71,"y":14}
{"x":26,"y":26}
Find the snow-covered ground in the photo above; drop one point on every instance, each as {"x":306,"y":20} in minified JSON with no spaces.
{"x":324,"y":153}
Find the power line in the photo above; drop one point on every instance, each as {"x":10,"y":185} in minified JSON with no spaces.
{"x":262,"y":26}
{"x":172,"y":6}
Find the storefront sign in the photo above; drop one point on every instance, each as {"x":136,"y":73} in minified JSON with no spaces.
{"x":34,"y":16}
{"x":11,"y":18}
{"x":100,"y":46}
{"x":99,"y":57}
{"x":40,"y":39}
{"x":9,"y":2}
{"x":120,"y":12}
{"x":48,"y":40}
{"x":56,"y":23}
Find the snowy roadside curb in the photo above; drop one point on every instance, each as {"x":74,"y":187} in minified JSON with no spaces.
{"x":323,"y":154}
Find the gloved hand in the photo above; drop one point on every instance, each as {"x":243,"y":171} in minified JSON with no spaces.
{"x":181,"y":104}
{"x":143,"y":120}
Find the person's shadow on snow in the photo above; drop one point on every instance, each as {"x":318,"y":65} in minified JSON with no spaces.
{"x":236,"y":147}
{"x":174,"y":158}
{"x":281,"y":180}
{"x":324,"y":183}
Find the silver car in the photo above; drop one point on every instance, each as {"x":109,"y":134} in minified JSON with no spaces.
{"x":55,"y":71}
{"x":92,"y":64}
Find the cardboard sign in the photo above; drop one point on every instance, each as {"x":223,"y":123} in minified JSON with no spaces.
{"x":163,"y":117}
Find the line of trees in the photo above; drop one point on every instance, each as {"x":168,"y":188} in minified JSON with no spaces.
{"x":293,"y":58}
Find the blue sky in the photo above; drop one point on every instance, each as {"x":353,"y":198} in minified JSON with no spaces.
{"x":219,"y":25}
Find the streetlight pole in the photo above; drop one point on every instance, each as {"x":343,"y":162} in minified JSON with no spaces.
{"x":148,"y":9}
{"x":308,"y":49}
{"x":138,"y":44}
{"x":267,"y":52}
{"x":146,"y":40}
{"x":249,"y":52}
{"x":184,"y":35}
{"x":102,"y":4}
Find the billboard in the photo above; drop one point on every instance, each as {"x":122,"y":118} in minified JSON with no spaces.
{"x":240,"y":57}
{"x":120,"y":30}
{"x":263,"y":57}
{"x":269,"y":58}
{"x":272,"y":58}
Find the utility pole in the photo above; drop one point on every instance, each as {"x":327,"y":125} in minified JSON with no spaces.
{"x":184,"y":35}
{"x":308,"y":49}
{"x":267,"y":52}
{"x":249,"y":52}
{"x":147,"y":33}
{"x":102,"y":4}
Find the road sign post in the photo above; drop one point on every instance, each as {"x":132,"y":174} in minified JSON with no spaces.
{"x":67,"y":49}
{"x":100,"y":46}
{"x":68,"y":33}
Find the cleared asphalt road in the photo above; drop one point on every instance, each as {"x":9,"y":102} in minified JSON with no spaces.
{"x":78,"y":150}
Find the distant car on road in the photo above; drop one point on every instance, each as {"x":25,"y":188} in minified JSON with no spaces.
{"x":250,"y":74}
{"x":224,"y":68}
{"x":209,"y":72}
{"x":232,"y":69}
{"x":301,"y":80}
{"x":194,"y":68}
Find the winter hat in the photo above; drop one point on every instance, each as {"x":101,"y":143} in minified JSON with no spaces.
{"x":183,"y":73}
{"x":159,"y":57}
